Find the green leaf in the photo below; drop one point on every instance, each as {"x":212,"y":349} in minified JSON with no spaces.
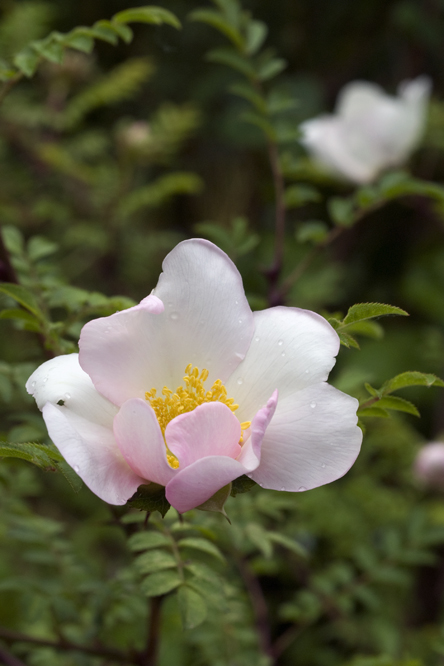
{"x":314,"y":231}
{"x":216,"y":503}
{"x":260,"y":538}
{"x":256,"y":34}
{"x":147,"y":540}
{"x":230,"y":57}
{"x":82,"y":39}
{"x":155,"y":560}
{"x":271,"y":68}
{"x":398,"y":404}
{"x":249,"y":93}
{"x":260,"y":121}
{"x":362,"y":311}
{"x":370,"y":329}
{"x":73,"y":479}
{"x":347,"y":340}
{"x":32,"y":324}
{"x":299,"y":195}
{"x":374,"y":411}
{"x":243,"y":484}
{"x":148,"y":14}
{"x":288,"y":543}
{"x":124,"y":31}
{"x":27,"y":61}
{"x":160,"y":583}
{"x":193,"y":609}
{"x":106,"y":31}
{"x":150,"y":497}
{"x":29,"y":451}
{"x":218,"y":21}
{"x":203,"y":545}
{"x":341,"y":211}
{"x":406,"y":379}
{"x":22,"y":296}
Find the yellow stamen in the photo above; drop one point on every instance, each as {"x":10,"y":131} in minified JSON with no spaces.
{"x":185,"y":399}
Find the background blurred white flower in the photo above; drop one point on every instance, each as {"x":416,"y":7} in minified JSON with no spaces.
{"x":369,"y":131}
{"x":429,"y":465}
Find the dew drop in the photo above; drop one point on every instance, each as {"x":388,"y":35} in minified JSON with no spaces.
{"x":280,"y":343}
{"x":256,"y":339}
{"x":45,"y":380}
{"x":307,"y":372}
{"x":301,"y":489}
{"x":32,"y":384}
{"x":240,"y":321}
{"x":312,"y":405}
{"x":174,"y":316}
{"x":283,"y":354}
{"x":67,"y":396}
{"x":282,"y":488}
{"x":323,"y":465}
{"x":239,"y":356}
{"x":237,"y":302}
{"x":240,"y":381}
{"x":76,"y":469}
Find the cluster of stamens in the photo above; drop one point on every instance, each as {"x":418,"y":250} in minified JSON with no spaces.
{"x":188,"y":397}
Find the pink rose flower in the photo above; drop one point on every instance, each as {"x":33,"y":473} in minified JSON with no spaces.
{"x":370,"y":131}
{"x":190,"y":389}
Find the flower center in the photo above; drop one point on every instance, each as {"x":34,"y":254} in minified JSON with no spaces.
{"x":186,"y":398}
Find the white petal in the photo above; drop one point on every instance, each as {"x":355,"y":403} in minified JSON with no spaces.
{"x":207,"y":322}
{"x":312,"y":440}
{"x":61,"y":379}
{"x":91,"y":450}
{"x":291,"y":349}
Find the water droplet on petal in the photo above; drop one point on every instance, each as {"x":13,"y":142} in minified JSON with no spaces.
{"x":45,"y":380}
{"x":312,"y":405}
{"x":174,"y":316}
{"x":240,"y":321}
{"x":323,"y":465}
{"x":301,"y":489}
{"x":240,"y":356}
{"x":307,"y":372}
{"x":282,"y":488}
{"x":240,"y":381}
{"x":283,"y":354}
{"x":280,"y":343}
{"x":76,"y":469}
{"x":256,"y":339}
{"x":67,"y":396}
{"x":32,"y":384}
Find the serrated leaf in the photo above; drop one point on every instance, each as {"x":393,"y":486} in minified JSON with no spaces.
{"x":243,"y":484}
{"x":347,"y":340}
{"x":406,"y":379}
{"x":50,"y":48}
{"x":124,"y":32}
{"x":373,"y":392}
{"x":370,"y":329}
{"x":259,"y":121}
{"x":313,"y":231}
{"x":362,"y":311}
{"x":398,"y":404}
{"x":218,"y":21}
{"x":256,"y":34}
{"x":193,"y":609}
{"x":160,"y":583}
{"x":203,"y":545}
{"x":33,"y":324}
{"x":73,"y":479}
{"x":155,"y":560}
{"x":148,"y":14}
{"x":150,"y":497}
{"x":230,"y":57}
{"x":376,"y":412}
{"x":106,"y":31}
{"x":22,"y":296}
{"x":27,"y":61}
{"x":29,"y":451}
{"x":148,"y":540}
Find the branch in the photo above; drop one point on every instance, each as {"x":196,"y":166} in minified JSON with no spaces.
{"x":8,"y":659}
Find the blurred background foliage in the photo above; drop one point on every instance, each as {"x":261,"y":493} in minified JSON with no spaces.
{"x":107,"y":161}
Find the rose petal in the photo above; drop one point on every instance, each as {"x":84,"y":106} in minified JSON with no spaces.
{"x":209,"y":430}
{"x":291,"y":349}
{"x":140,"y":441}
{"x":199,"y":481}
{"x":61,"y":379}
{"x":207,"y":322}
{"x":251,"y":450}
{"x":90,"y":449}
{"x":312,"y":439}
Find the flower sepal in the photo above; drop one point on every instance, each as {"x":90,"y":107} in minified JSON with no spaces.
{"x":243,"y":484}
{"x":216,"y":503}
{"x":150,"y":497}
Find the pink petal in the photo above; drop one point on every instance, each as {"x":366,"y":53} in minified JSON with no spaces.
{"x":90,"y":449}
{"x":198,"y":482}
{"x":312,"y":439}
{"x":207,"y":322}
{"x":251,"y":450}
{"x":291,"y":349}
{"x":209,"y":430}
{"x":140,"y":441}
